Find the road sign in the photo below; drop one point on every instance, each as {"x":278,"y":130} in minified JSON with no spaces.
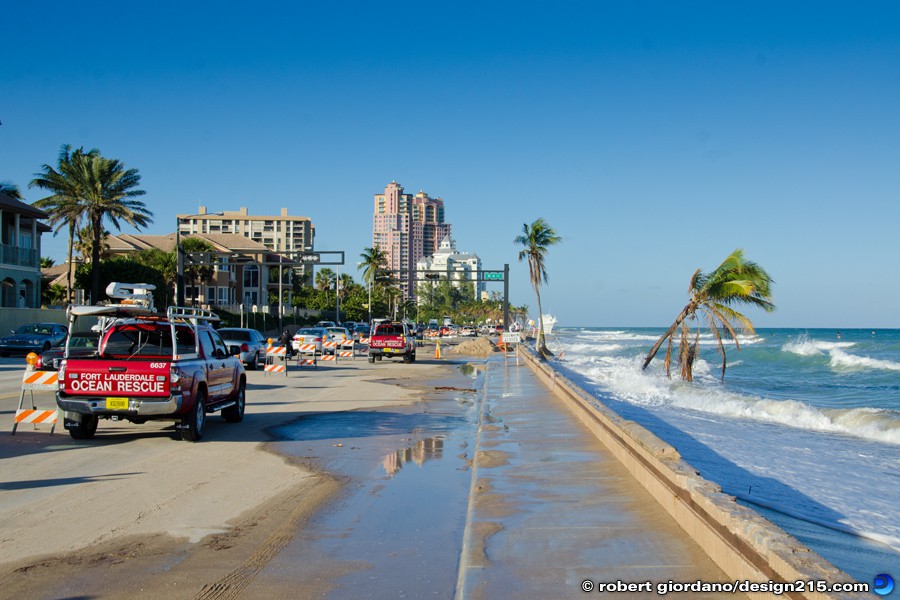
{"x":510,"y":337}
{"x":311,"y":257}
{"x":493,"y":275}
{"x":198,"y":258}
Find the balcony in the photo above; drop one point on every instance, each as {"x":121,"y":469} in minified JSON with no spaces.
{"x":20,"y":257}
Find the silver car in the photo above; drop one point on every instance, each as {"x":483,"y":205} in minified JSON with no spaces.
{"x":309,"y":335}
{"x":251,"y":342}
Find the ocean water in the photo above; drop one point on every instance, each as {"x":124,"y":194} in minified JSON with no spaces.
{"x":805,"y":427}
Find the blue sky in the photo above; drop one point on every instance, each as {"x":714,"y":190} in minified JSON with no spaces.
{"x":656,"y":137}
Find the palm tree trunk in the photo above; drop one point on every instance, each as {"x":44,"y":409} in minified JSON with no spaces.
{"x":71,"y":251}
{"x":681,"y":317}
{"x":539,"y":345}
{"x":95,"y":261}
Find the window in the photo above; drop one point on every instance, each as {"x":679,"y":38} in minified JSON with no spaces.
{"x":251,"y":276}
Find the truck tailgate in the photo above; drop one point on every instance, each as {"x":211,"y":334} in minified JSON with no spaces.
{"x":92,"y":377}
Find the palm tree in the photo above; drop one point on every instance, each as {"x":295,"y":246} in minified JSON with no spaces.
{"x":84,"y":240}
{"x":736,"y":281}
{"x":110,"y":194}
{"x":373,"y":261}
{"x":325,"y":279}
{"x":346,"y":285}
{"x":536,"y":240}
{"x":11,"y":190}
{"x":66,"y":203}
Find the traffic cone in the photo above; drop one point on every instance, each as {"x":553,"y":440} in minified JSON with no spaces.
{"x":437,"y":349}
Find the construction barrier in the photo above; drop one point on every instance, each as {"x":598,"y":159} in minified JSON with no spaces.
{"x":41,"y":381}
{"x":276,"y":360}
{"x":304,"y":350}
{"x":344,"y":352}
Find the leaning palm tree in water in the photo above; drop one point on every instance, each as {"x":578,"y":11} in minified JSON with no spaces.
{"x":536,"y":240}
{"x":734,"y":282}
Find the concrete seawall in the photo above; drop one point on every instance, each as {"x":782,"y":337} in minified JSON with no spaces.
{"x":741,"y":542}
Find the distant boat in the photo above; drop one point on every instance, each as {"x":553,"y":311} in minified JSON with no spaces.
{"x":549,"y":322}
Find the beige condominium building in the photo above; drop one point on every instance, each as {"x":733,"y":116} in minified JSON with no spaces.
{"x":283,"y":234}
{"x":406,"y":228}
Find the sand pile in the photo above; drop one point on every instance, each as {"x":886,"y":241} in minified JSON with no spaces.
{"x":480,"y":347}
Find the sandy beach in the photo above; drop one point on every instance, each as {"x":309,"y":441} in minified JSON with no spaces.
{"x":136,"y":513}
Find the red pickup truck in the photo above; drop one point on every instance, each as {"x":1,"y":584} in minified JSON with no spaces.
{"x":150,"y":367}
{"x":392,"y":338}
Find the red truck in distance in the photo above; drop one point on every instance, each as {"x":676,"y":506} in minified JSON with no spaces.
{"x":390,"y":339}
{"x":150,"y":367}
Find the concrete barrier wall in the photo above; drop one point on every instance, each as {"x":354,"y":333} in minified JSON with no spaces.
{"x":744,"y":545}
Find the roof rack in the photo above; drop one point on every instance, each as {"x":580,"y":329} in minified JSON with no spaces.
{"x":191,"y":314}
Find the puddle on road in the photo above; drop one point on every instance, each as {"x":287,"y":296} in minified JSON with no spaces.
{"x":396,"y":527}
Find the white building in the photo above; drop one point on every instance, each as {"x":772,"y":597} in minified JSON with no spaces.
{"x":447,"y":263}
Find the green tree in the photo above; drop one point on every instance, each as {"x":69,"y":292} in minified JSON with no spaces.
{"x":374,"y":260}
{"x":163,"y":262}
{"x":536,"y":240}
{"x":12,"y":190}
{"x":65,"y":205}
{"x":736,"y":281}
{"x":197,"y":273}
{"x":110,"y":195}
{"x":124,"y":269}
{"x":47,"y":262}
{"x":325,"y":280}
{"x":53,"y":295}
{"x":84,"y":243}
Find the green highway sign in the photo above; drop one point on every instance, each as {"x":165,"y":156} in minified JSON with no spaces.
{"x":493,"y":276}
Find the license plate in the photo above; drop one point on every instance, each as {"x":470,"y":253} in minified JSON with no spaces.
{"x":117,"y":404}
{"x":389,"y":350}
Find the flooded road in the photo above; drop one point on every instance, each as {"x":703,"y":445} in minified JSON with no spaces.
{"x":396,"y":527}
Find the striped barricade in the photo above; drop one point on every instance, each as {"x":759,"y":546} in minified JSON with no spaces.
{"x":347,"y":349}
{"x":32,"y":380}
{"x":304,"y":351}
{"x":276,"y":360}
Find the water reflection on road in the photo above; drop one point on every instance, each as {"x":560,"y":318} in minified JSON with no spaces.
{"x":397,"y":526}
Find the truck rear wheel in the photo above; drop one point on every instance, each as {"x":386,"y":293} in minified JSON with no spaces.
{"x":235,"y":414}
{"x":371,"y":359}
{"x":83,"y":430}
{"x":193,"y":422}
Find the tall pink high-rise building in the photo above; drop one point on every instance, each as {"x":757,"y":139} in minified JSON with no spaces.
{"x":406,"y":228}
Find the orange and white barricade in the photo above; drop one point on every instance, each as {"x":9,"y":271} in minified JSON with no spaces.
{"x":347,"y":349}
{"x":304,"y":351}
{"x":46,"y":381}
{"x":276,"y":360}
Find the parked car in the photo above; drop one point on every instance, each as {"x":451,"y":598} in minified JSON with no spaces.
{"x":360,"y":331}
{"x":324,"y":324}
{"x":34,"y":337}
{"x":81,"y":344}
{"x":337,"y":334}
{"x":251,"y":342}
{"x":309,"y":335}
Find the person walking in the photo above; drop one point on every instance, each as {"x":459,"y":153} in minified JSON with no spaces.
{"x":285,"y":340}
